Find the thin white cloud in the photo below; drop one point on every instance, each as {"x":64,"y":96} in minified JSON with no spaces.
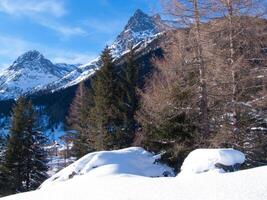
{"x":102,"y":26}
{"x":12,"y":47}
{"x":66,"y":31}
{"x":73,"y":57}
{"x":32,"y":7}
{"x":43,"y":12}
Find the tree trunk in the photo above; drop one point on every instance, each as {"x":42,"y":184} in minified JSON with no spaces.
{"x":231,"y":65}
{"x":202,"y":75}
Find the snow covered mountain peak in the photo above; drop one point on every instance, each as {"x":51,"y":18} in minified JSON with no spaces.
{"x":29,"y":73}
{"x":140,"y":22}
{"x":140,"y":28}
{"x":30,"y":56}
{"x":35,"y":61}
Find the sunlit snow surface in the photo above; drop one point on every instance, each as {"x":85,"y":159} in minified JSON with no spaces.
{"x":122,"y":175}
{"x":129,"y":161}
{"x":202,"y":160}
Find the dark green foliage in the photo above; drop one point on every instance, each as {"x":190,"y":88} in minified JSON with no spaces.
{"x":129,"y":99}
{"x":102,"y":117}
{"x":106,"y":114}
{"x":4,"y":179}
{"x":174,"y":135}
{"x":115,"y":103}
{"x":2,"y":147}
{"x":25,"y":160}
{"x":3,"y":170}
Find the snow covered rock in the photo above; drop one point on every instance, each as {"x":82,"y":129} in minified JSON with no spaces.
{"x":130,"y":161}
{"x":203,"y":160}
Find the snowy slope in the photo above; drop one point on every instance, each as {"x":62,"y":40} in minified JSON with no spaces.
{"x":31,"y":72}
{"x":79,"y":74}
{"x":102,"y":179}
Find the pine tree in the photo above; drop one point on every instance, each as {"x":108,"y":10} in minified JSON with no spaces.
{"x":25,"y":159}
{"x":79,"y":123}
{"x":2,"y":148}
{"x":106,"y":112}
{"x":129,"y":99}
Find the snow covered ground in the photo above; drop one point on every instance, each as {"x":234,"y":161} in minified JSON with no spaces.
{"x":119,"y":175}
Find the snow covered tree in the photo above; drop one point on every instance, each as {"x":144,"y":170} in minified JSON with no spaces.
{"x":25,"y":159}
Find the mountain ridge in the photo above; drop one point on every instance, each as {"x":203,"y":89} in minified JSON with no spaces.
{"x":40,"y":74}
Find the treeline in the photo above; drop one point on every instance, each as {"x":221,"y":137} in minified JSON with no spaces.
{"x":208,"y":91}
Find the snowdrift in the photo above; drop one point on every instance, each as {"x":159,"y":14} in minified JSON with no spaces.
{"x":130,"y":174}
{"x":203,"y":160}
{"x":129,"y":161}
{"x":242,"y":185}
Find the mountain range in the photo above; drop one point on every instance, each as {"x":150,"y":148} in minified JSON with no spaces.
{"x":32,"y":72}
{"x":51,"y":86}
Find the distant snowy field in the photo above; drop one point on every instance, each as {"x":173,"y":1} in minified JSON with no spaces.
{"x":126,"y":175}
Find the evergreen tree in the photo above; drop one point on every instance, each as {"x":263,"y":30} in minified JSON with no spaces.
{"x":3,"y":171}
{"x":106,"y":113}
{"x":2,"y":148}
{"x":25,"y":159}
{"x":78,"y":122}
{"x":129,"y":99}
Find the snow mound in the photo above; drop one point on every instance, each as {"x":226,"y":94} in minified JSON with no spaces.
{"x":242,"y":185}
{"x":203,"y":160}
{"x":129,"y":161}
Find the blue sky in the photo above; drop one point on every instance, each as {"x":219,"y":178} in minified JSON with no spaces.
{"x":71,"y":31}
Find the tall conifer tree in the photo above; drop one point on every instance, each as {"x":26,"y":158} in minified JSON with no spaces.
{"x":106,"y":112}
{"x":129,"y":99}
{"x":25,"y":157}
